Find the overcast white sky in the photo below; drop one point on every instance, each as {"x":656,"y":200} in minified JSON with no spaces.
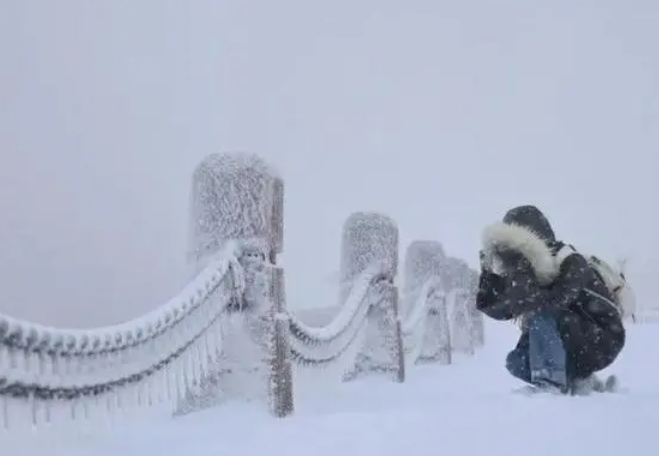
{"x":442,"y":114}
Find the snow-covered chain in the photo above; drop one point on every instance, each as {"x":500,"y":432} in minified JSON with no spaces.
{"x":317,"y":346}
{"x":49,"y":363}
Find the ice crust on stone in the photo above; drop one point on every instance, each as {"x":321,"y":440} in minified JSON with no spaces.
{"x":368,"y":237}
{"x":455,"y":274}
{"x":424,"y":260}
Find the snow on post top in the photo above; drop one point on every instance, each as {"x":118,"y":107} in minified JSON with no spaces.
{"x":232,"y":198}
{"x":368,"y":237}
{"x":424,"y":260}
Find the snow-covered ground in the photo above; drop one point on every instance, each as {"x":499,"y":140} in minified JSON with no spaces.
{"x":465,"y":409}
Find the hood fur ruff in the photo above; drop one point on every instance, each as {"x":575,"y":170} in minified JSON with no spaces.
{"x":524,"y":241}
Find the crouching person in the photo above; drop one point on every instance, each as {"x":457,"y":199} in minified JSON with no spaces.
{"x":571,"y":327}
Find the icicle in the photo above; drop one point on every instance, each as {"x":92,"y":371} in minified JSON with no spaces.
{"x":27,"y":367}
{"x":34,"y":409}
{"x":186,"y":358}
{"x":115,"y":400}
{"x":154,"y":391}
{"x":194,"y":363}
{"x":42,"y":364}
{"x":54,"y":367}
{"x":218,"y":338}
{"x":73,"y":403}
{"x":13,"y":359}
{"x":147,"y":388}
{"x":207,"y":348}
{"x":97,"y":404}
{"x":5,"y":411}
{"x":85,"y":408}
{"x":200,"y":350}
{"x":166,"y":372}
{"x":4,"y":358}
{"x":138,"y":394}
{"x":178,"y":379}
{"x":187,"y":374}
{"x":162,"y":384}
{"x":48,"y":416}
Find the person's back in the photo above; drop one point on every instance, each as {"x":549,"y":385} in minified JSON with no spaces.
{"x":571,"y":328}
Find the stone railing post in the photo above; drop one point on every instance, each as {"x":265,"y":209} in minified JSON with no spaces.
{"x":425,"y":261}
{"x":399,"y":353}
{"x":281,"y":370}
{"x":371,"y":239}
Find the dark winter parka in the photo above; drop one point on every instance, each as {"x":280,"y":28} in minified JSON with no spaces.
{"x":526,"y":270}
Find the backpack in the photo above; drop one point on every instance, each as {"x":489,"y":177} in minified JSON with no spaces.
{"x":614,"y":280}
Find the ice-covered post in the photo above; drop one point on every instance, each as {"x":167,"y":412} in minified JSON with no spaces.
{"x":460,"y":316}
{"x":238,"y":198}
{"x":424,"y":262}
{"x":370,"y":240}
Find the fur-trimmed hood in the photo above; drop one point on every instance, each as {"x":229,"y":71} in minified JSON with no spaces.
{"x":520,"y":239}
{"x":525,"y":230}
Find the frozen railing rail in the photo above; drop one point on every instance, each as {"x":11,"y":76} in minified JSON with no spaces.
{"x":312,"y":345}
{"x":146,"y":360}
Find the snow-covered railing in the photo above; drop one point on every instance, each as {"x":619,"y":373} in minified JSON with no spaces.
{"x":46,"y":372}
{"x":229,"y":334}
{"x":364,"y":336}
{"x":439,"y":315}
{"x":50,"y":375}
{"x":369,"y":333}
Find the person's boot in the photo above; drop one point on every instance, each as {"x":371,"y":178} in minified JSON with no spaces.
{"x":612,"y":384}
{"x":550,"y":380}
{"x":546,"y":386}
{"x":598,"y":385}
{"x":542,"y":388}
{"x":585,"y":386}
